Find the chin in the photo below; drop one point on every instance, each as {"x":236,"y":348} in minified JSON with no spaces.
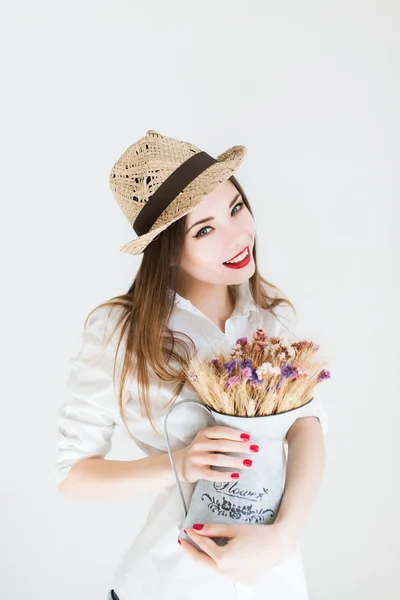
{"x":240,"y":275}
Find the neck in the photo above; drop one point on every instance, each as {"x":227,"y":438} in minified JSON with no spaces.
{"x":215,"y":301}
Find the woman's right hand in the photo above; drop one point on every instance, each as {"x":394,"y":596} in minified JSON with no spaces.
{"x":194,"y":461}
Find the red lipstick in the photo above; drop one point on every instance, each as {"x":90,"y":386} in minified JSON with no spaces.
{"x":241,"y":264}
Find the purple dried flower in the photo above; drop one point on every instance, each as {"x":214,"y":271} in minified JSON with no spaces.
{"x":324,"y":374}
{"x":288,"y":371}
{"x":242,"y":340}
{"x":231,"y":365}
{"x":247,"y":363}
{"x":254,"y":378}
{"x":246,"y":372}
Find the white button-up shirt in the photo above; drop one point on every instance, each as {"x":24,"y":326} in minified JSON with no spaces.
{"x":155,"y":567}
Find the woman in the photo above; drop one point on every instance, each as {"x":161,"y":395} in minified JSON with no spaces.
{"x":197,"y":288}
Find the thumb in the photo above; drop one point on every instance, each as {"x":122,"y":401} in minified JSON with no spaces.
{"x":215,"y":530}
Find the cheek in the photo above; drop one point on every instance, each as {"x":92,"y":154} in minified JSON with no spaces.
{"x":203,"y":254}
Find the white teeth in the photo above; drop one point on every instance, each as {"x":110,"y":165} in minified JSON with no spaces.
{"x":240,"y":257}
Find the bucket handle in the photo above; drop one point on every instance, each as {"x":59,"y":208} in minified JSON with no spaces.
{"x":188,"y":401}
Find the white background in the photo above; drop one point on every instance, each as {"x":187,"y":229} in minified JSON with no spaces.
{"x":312,"y":89}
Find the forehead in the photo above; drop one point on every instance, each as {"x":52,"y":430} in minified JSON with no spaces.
{"x":220,"y":197}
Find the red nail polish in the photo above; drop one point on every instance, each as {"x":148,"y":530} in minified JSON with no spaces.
{"x":254,"y":448}
{"x":248,"y":462}
{"x":198,"y":527}
{"x":179,"y":542}
{"x":185,"y":531}
{"x":235,"y":475}
{"x":245,"y":436}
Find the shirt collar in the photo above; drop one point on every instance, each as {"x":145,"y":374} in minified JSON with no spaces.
{"x":244,"y":303}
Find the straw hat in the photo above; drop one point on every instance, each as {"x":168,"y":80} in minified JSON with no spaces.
{"x":159,"y":179}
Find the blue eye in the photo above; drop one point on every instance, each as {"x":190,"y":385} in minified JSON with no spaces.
{"x":209,"y":227}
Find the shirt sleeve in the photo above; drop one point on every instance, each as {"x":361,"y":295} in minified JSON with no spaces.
{"x":286,"y":326}
{"x":87,"y":419}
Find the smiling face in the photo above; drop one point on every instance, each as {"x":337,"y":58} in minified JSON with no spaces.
{"x":227,"y":229}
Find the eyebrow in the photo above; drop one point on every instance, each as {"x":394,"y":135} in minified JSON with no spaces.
{"x":211,"y":218}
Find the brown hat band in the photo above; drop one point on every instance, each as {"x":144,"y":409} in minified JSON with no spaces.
{"x":169,"y":189}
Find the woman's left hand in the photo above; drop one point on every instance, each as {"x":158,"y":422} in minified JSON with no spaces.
{"x":250,"y":552}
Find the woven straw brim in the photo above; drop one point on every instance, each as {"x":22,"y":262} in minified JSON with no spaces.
{"x":191,"y":196}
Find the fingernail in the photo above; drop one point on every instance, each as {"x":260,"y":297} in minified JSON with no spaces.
{"x":245,"y":436}
{"x":180,"y":542}
{"x":254,"y":448}
{"x":198,"y":526}
{"x":248,"y":462}
{"x":235,"y":475}
{"x":185,"y":531}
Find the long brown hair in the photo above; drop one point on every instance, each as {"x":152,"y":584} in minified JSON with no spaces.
{"x":146,"y":307}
